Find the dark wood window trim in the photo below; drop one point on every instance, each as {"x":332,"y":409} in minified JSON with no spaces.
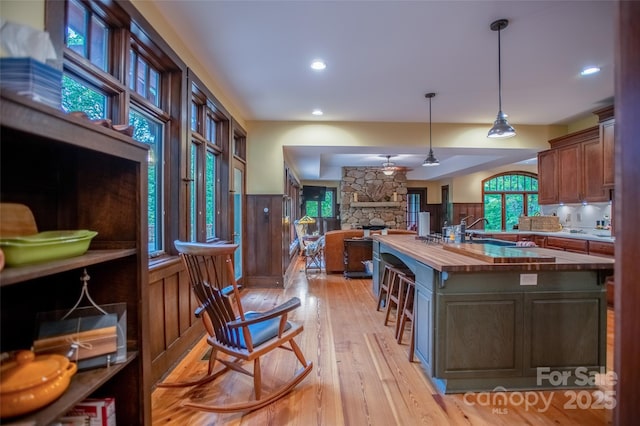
{"x":129,"y":30}
{"x":504,"y":192}
{"x":239,"y":142}
{"x":422,"y":192}
{"x":208,"y":104}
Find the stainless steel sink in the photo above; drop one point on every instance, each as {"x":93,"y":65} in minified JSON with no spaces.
{"x":491,"y":241}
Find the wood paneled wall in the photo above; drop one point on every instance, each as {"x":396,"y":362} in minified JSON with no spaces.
{"x":173,"y":325}
{"x":267,"y":241}
{"x":462,"y":210}
{"x":435,"y":217}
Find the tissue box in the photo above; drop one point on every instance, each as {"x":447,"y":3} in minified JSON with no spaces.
{"x":26,"y":76}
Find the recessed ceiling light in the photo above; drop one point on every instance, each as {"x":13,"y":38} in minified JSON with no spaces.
{"x":317,"y":112}
{"x":318,"y":65}
{"x":589,"y":70}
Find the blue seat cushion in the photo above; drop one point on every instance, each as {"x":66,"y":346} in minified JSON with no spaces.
{"x":262,"y":331}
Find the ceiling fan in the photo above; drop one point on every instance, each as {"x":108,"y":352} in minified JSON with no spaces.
{"x":389,"y":167}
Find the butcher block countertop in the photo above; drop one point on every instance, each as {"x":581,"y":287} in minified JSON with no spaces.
{"x":530,"y":259}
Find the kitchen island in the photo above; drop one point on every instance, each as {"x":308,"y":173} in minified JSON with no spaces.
{"x":486,"y":324}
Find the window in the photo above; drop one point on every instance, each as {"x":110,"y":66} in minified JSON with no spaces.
{"x":149,"y":131}
{"x":100,"y":42}
{"x":416,"y":203}
{"x":507,"y":197}
{"x":144,"y":79}
{"x":87,"y":35}
{"x":77,"y":96}
{"x":210,"y":194}
{"x":240,"y":146}
{"x":324,"y":208}
{"x":209,"y":128}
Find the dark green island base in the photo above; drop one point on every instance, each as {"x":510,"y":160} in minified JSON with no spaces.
{"x":483,"y":326}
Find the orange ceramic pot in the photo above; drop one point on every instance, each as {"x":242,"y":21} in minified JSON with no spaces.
{"x":30,"y":382}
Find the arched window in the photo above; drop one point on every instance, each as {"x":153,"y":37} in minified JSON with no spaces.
{"x":508,"y":196}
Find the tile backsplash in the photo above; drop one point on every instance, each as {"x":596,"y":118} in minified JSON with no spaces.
{"x":580,"y":217}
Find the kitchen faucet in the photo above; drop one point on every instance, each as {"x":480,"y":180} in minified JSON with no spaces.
{"x":463,"y":228}
{"x":464,"y":219}
{"x":478,"y":220}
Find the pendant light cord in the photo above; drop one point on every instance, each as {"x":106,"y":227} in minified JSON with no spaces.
{"x":499,"y":73}
{"x":429,"y":124}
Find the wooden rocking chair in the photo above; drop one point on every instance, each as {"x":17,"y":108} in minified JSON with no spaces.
{"x":245,"y":336}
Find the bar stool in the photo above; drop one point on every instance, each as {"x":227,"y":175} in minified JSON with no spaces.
{"x":384,"y":286}
{"x":395,"y":295}
{"x":407,"y":313}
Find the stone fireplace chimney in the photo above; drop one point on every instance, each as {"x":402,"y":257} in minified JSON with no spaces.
{"x":368,"y":194}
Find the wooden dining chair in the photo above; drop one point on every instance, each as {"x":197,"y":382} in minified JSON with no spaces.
{"x":245,"y":336}
{"x":314,"y":255}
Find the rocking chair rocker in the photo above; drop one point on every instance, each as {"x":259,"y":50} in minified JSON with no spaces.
{"x":246,"y":336}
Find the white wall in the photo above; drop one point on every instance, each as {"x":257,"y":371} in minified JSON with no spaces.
{"x":580,"y":217}
{"x":266,"y":140}
{"x":30,"y":13}
{"x":468,"y":188}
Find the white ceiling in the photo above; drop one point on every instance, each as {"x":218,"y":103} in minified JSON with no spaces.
{"x":383,"y":56}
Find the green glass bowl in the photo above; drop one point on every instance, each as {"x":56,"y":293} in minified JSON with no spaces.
{"x":45,"y":246}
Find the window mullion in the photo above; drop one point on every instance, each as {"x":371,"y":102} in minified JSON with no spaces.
{"x":119,"y":55}
{"x":88,"y":30}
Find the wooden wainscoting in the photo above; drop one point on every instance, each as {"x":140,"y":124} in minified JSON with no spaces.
{"x":462,"y":210}
{"x":266,"y":250}
{"x":173,"y":325}
{"x":435,"y":217}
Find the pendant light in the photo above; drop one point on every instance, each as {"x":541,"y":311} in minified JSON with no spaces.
{"x":501,"y":128}
{"x":431,"y":160}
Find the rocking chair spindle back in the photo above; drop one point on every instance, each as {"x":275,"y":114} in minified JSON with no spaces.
{"x":245,"y":336}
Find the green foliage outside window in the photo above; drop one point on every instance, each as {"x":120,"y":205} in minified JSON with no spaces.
{"x":78,"y":97}
{"x":507,"y":197}
{"x":493,"y":212}
{"x":514,"y":209}
{"x":75,"y":41}
{"x":149,"y":131}
{"x":323,"y":208}
{"x":193,"y":216}
{"x":210,"y":187}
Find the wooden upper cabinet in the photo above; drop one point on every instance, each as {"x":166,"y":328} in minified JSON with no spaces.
{"x":592,"y":174}
{"x":607,"y":135}
{"x":548,"y":177}
{"x":607,"y":139}
{"x":579,"y":169}
{"x":569,"y":179}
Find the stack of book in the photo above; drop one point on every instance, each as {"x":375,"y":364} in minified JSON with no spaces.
{"x":26,"y":76}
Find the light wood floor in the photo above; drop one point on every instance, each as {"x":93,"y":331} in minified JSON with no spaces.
{"x":361,"y":376}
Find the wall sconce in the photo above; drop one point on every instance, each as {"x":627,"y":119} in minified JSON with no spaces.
{"x":266,"y":212}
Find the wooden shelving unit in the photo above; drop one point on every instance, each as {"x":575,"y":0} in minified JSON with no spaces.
{"x":75,"y":175}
